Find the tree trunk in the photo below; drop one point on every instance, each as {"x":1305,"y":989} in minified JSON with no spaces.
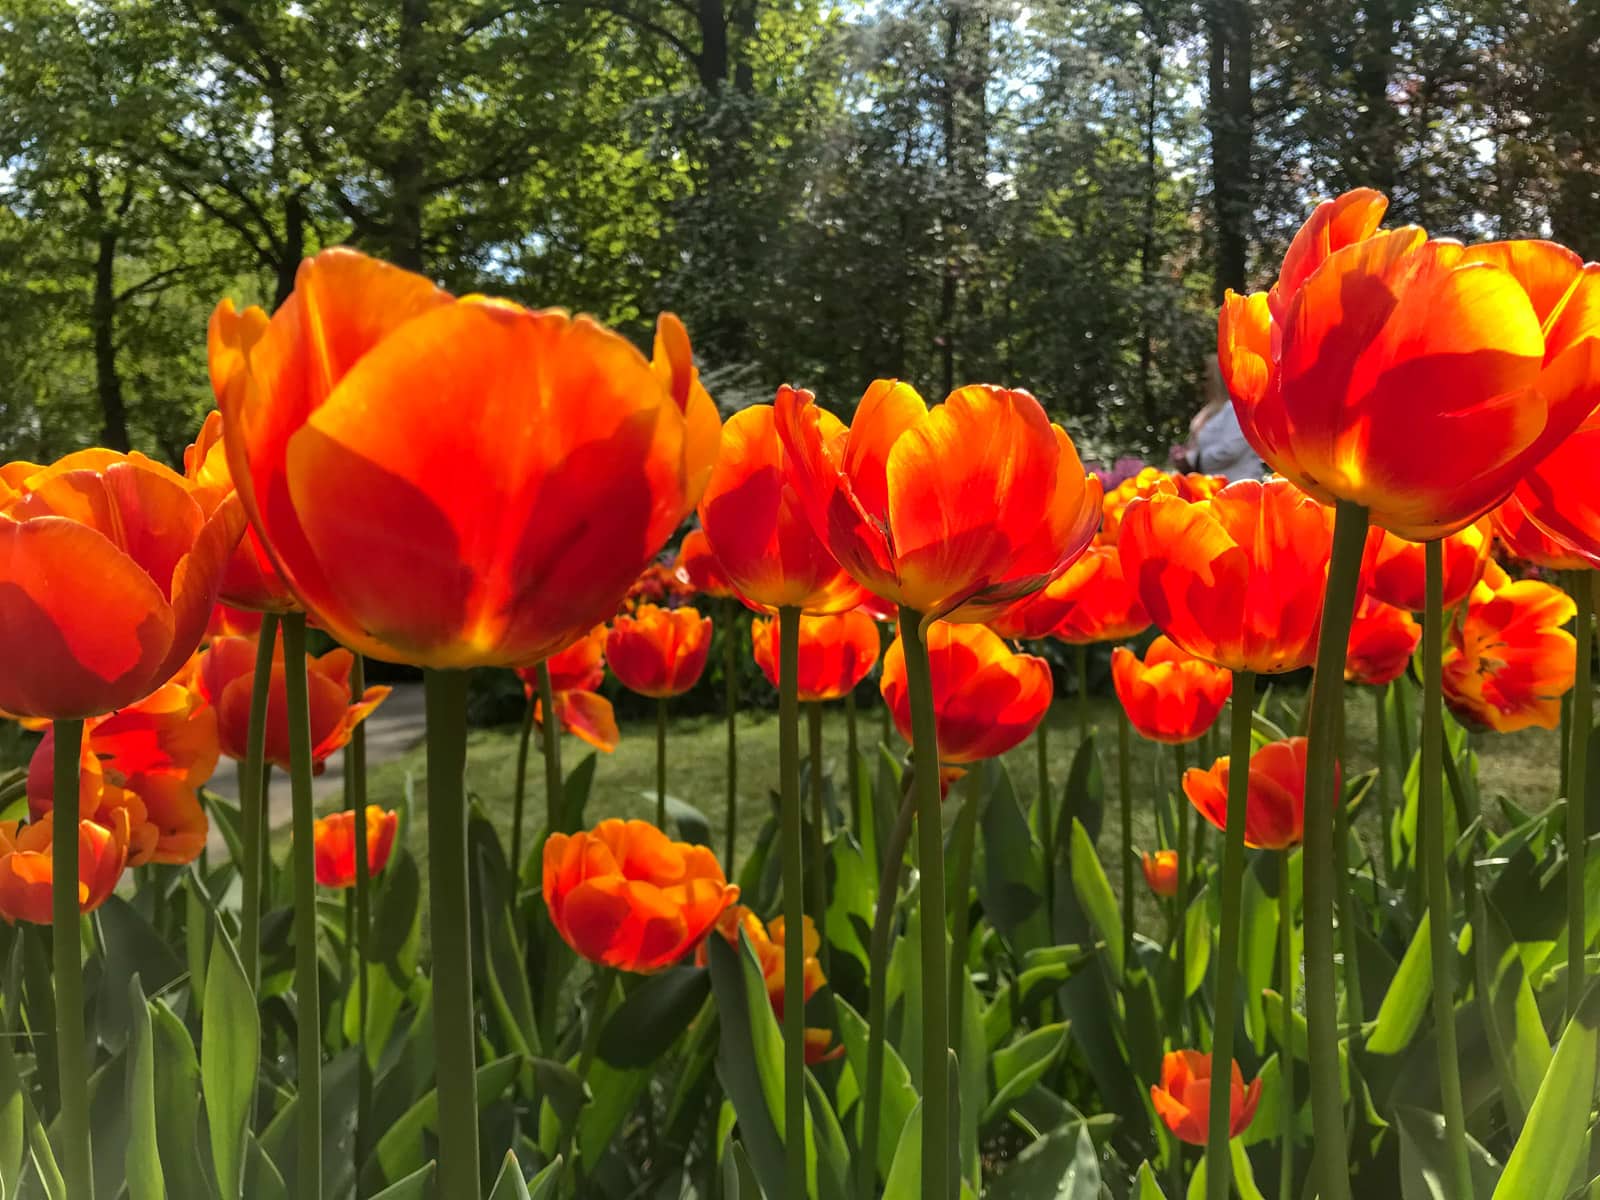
{"x":1147,"y":232}
{"x":1229,"y":113}
{"x":408,"y":172}
{"x":712,"y":63}
{"x":108,"y":383}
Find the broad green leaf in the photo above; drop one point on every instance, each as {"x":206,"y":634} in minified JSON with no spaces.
{"x":1425,"y":1157}
{"x":1149,"y":1189}
{"x":13,"y":1126}
{"x":145,"y":1181}
{"x":1094,"y":893}
{"x":1011,"y":879}
{"x":396,"y":919}
{"x":509,"y":1184}
{"x":738,"y":1177}
{"x":177,"y":1105}
{"x":575,"y":794}
{"x":1553,"y":1141}
{"x":1083,"y":797}
{"x":750,"y":1059}
{"x":399,"y":1151}
{"x":132,"y":946}
{"x":1244,"y":1175}
{"x":653,"y":1016}
{"x":546,"y":1184}
{"x":905,"y":1173}
{"x":261,"y":1178}
{"x":691,"y":823}
{"x":230,"y":1042}
{"x":1406,"y":1002}
{"x":1060,"y":1166}
{"x":1020,"y":1065}
{"x":1520,"y":1031}
{"x":416,"y":1186}
{"x":1197,"y":943}
{"x":897,"y":1098}
{"x":43,"y":1156}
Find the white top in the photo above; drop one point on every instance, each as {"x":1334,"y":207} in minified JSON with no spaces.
{"x":1221,"y":448}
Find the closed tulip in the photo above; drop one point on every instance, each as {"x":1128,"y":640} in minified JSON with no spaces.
{"x":836,"y":652}
{"x":1172,"y":696}
{"x":27,"y":868}
{"x":1392,"y":567}
{"x":1420,"y":379}
{"x":659,"y":651}
{"x":575,"y":677}
{"x":1236,"y":580}
{"x":1152,"y":481}
{"x":1161,"y":872}
{"x":1508,"y":661}
{"x":110,"y":568}
{"x":250,"y":581}
{"x":333,"y":838}
{"x":986,"y":698}
{"x":1274,"y":814}
{"x":954,"y":511}
{"x":625,"y":896}
{"x":1382,"y":640}
{"x":455,"y":483}
{"x":1183,"y":1098}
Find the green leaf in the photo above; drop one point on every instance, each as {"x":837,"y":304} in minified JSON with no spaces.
{"x":897,"y":1097}
{"x":177,"y":1104}
{"x":1011,"y":881}
{"x":1019,"y":1066}
{"x":143,"y":1158}
{"x":43,"y":1157}
{"x":1094,"y":893}
{"x":575,"y":795}
{"x":132,"y":946}
{"x":1083,"y":797}
{"x":1060,"y":1166}
{"x":395,"y":923}
{"x":399,"y":1150}
{"x":261,"y":1178}
{"x":1519,"y":1029}
{"x":692,"y":824}
{"x":1425,"y":1157}
{"x":1406,"y":1002}
{"x":1553,"y":1141}
{"x":509,"y":1185}
{"x":1149,"y":1189}
{"x":738,"y":1177}
{"x":905,"y":1173}
{"x":653,"y":1017}
{"x":416,"y":1186}
{"x":13,"y":1126}
{"x":1199,"y":926}
{"x":547,"y":1183}
{"x":230,"y":1041}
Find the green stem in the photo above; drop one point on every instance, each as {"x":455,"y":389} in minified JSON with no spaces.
{"x":937,"y":1180}
{"x":356,"y":776}
{"x":455,"y":1043}
{"x":818,"y":863}
{"x":308,"y":1006}
{"x":1083,"y":693}
{"x":520,"y":793}
{"x":794,"y":873}
{"x":1354,"y":1013}
{"x":73,"y":1148}
{"x":1327,"y":698}
{"x":1431,"y":801}
{"x":1219,"y":1166}
{"x":961,"y":916}
{"x":1125,"y":787}
{"x":852,"y":768}
{"x":661,"y":763}
{"x":1180,"y":926}
{"x":1384,"y":813}
{"x":605,"y":986}
{"x":1566,"y":736}
{"x":1045,"y":818}
{"x":1286,"y":967}
{"x":557,"y":956}
{"x":1578,"y":788}
{"x":252,"y":805}
{"x":878,"y":995}
{"x":554,"y":818}
{"x":730,"y":679}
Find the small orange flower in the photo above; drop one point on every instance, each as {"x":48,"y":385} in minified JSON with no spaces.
{"x":985,"y":698}
{"x":1237,"y":579}
{"x":1394,"y":570}
{"x":250,"y":580}
{"x":756,"y":526}
{"x":697,"y":567}
{"x":1421,"y":379}
{"x":148,"y":761}
{"x":1382,"y":640}
{"x":455,"y":483}
{"x":27,"y":865}
{"x":1508,"y":661}
{"x":657,"y":584}
{"x":1151,"y":481}
{"x":1172,"y":696}
{"x":575,"y":676}
{"x":1528,"y":541}
{"x":226,"y":674}
{"x":1161,"y":872}
{"x":836,"y":652}
{"x":659,"y":651}
{"x":625,"y":896}
{"x":334,"y":844}
{"x":1101,"y":605}
{"x":955,"y":511}
{"x":768,"y":943}
{"x":1274,"y":812}
{"x":1183,"y":1099}
{"x":108,"y":571}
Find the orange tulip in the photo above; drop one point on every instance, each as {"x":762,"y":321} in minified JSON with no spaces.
{"x":1101,"y":604}
{"x":226,"y":674}
{"x":756,"y":525}
{"x":1152,"y":481}
{"x":985,"y":698}
{"x":1532,"y":544}
{"x":1382,"y":640}
{"x":1392,"y":568}
{"x":455,"y":483}
{"x":575,"y":676}
{"x":659,"y":651}
{"x":697,"y":567}
{"x":1170,"y":697}
{"x":836,"y":652}
{"x":334,"y":844}
{"x":955,"y":511}
{"x":148,"y":761}
{"x":227,"y":621}
{"x":27,"y":865}
{"x":1237,"y":579}
{"x":1421,"y":379}
{"x":250,"y":580}
{"x":109,"y":569}
{"x":1183,"y":1099}
{"x":625,"y":896}
{"x":1508,"y":661}
{"x":1274,"y":812}
{"x":768,"y":943}
{"x":657,"y":584}
{"x":1161,"y":872}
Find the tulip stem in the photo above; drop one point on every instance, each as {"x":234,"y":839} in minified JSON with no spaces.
{"x":819,"y":868}
{"x":551,"y":743}
{"x":1046,"y":830}
{"x":453,"y":1027}
{"x":1353,"y":1007}
{"x":521,"y":790}
{"x":877,"y":994}
{"x":1286,"y":967}
{"x":966,"y":832}
{"x":1327,"y":698}
{"x":794,"y":867}
{"x":1180,"y":920}
{"x":356,"y":772}
{"x":308,"y":1007}
{"x":252,"y":805}
{"x":72,"y":1055}
{"x":1380,"y":694}
{"x":1083,"y":693}
{"x":661,"y":763}
{"x":605,"y":984}
{"x":1219,"y":1168}
{"x":1581,"y":584}
{"x":1431,"y":806}
{"x":937,"y":1179}
{"x":1125,"y":799}
{"x":852,"y":768}
{"x":730,"y":681}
